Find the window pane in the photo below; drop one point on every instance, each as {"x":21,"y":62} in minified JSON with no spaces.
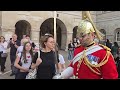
{"x":118,"y":39}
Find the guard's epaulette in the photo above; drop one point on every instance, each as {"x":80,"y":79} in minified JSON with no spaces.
{"x":105,"y":47}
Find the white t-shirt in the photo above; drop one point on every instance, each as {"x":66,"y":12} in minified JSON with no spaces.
{"x":19,"y":49}
{"x":29,"y":60}
{"x":61,"y":58}
{"x":3,"y":47}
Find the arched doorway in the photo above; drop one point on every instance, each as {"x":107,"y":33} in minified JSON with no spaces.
{"x":22,"y":27}
{"x":74,"y":32}
{"x":61,"y":31}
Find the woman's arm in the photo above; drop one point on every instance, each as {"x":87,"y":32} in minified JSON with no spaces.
{"x":38,"y":62}
{"x":16,"y":64}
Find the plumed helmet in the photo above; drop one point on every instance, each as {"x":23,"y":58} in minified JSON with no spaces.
{"x":85,"y":27}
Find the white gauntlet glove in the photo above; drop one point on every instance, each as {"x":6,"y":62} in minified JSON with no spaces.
{"x":68,"y":72}
{"x":58,"y":76}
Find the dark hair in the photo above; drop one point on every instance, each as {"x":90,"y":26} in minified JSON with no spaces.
{"x":24,"y":52}
{"x":27,"y":36}
{"x":108,"y":40}
{"x":45,"y":39}
{"x":116,"y":44}
{"x":57,"y":47}
{"x":33,"y":45}
{"x":56,"y":53}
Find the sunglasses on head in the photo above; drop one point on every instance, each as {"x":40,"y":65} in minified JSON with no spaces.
{"x":47,"y":34}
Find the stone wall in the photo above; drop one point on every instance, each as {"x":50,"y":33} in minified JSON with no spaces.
{"x":109,"y":21}
{"x":70,"y":19}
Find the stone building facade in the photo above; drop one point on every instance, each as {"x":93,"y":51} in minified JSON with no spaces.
{"x":108,"y":22}
{"x":37,"y":23}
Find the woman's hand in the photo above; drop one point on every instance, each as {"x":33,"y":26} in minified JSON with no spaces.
{"x":25,"y":69}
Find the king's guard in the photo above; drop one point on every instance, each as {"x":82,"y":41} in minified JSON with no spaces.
{"x":91,"y":60}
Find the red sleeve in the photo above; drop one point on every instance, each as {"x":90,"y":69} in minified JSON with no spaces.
{"x":109,"y":70}
{"x":76,"y":51}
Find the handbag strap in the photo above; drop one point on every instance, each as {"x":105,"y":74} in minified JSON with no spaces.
{"x":38,"y":54}
{"x":38,"y":57}
{"x":20,"y":63}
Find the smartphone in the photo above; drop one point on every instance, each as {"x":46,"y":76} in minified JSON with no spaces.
{"x":10,"y":38}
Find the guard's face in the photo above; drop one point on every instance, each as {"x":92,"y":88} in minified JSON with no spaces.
{"x":85,"y":39}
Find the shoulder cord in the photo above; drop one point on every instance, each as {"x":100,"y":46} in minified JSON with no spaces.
{"x":91,"y":66}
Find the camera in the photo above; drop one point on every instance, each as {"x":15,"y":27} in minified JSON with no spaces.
{"x":10,"y":38}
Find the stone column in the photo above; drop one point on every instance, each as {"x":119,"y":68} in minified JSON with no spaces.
{"x":35,"y":37}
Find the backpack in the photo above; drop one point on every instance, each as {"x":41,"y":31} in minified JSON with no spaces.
{"x":16,"y":70}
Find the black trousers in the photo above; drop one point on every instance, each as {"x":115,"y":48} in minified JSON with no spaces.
{"x":2,"y":62}
{"x":21,"y":75}
{"x":12,"y":59}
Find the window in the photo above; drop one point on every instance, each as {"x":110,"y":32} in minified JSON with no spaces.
{"x":118,"y":36}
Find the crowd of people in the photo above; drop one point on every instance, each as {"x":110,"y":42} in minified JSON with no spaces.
{"x":88,"y":58}
{"x":24,"y":57}
{"x":115,"y":50}
{"x":51,"y":62}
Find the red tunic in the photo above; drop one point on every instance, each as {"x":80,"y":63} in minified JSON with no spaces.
{"x":108,"y":70}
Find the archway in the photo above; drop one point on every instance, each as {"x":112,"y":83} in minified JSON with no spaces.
{"x":74,"y":32}
{"x":22,"y":27}
{"x":61,"y":31}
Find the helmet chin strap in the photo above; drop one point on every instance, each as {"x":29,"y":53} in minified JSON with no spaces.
{"x":88,"y":42}
{"x":92,"y":43}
